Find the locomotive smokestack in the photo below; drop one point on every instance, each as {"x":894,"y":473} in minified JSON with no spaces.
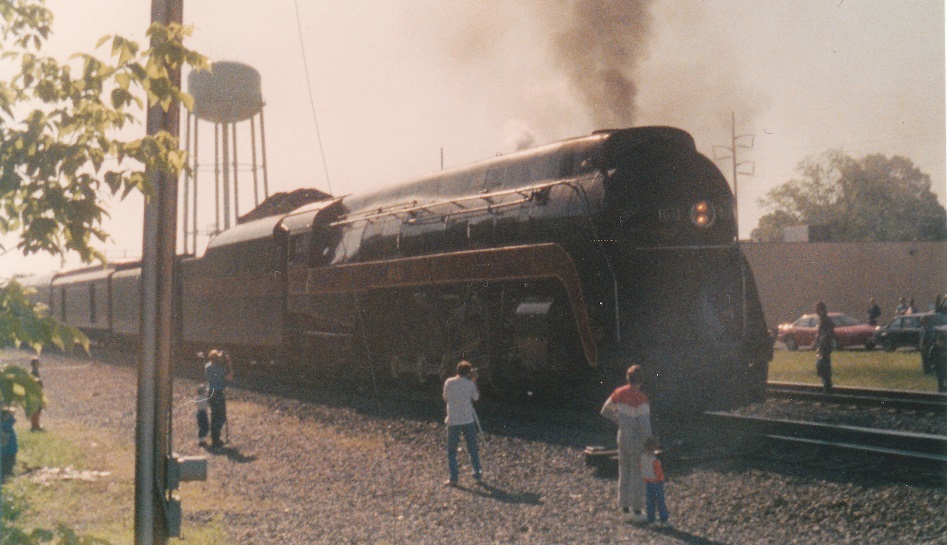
{"x":599,"y":50}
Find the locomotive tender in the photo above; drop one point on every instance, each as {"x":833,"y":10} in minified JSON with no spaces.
{"x":550,"y":269}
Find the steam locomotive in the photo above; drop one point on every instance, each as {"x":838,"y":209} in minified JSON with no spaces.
{"x":551,"y":270}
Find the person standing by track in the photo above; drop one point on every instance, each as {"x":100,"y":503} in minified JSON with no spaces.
{"x":34,"y":416}
{"x":630,"y":409}
{"x":874,"y":312}
{"x":460,"y":392}
{"x":824,"y":343}
{"x":938,"y":358}
{"x":217,"y":372}
{"x":653,"y":474}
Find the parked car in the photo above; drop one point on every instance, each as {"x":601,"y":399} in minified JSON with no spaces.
{"x":848,"y":332}
{"x":906,"y":330}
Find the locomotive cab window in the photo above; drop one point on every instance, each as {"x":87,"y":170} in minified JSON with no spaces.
{"x":296,"y":252}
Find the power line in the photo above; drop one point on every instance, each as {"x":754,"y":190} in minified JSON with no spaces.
{"x":312,"y":102}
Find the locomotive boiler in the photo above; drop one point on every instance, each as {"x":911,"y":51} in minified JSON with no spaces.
{"x":550,"y":269}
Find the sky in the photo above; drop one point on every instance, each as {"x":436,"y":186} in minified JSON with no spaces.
{"x":365,"y":93}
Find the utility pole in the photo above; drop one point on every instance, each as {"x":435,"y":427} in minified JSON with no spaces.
{"x":735,"y":164}
{"x":157,"y":471}
{"x":152,"y":430}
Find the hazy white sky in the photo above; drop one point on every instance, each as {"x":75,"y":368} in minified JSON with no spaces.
{"x":396,"y":81}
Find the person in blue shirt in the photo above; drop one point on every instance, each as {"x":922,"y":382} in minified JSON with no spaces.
{"x":8,"y":443}
{"x":217,"y":372}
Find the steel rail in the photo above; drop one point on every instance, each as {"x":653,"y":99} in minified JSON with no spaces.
{"x":874,"y":397}
{"x":917,"y":447}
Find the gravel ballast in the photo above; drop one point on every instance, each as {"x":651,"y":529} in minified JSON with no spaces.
{"x":366,"y":466}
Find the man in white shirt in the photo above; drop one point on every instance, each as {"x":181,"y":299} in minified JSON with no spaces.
{"x":460,"y":392}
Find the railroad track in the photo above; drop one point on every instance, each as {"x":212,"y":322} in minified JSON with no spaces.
{"x":920,"y":448}
{"x":872,"y":397}
{"x":916,"y":449}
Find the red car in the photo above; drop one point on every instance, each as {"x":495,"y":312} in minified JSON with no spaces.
{"x":848,"y":332}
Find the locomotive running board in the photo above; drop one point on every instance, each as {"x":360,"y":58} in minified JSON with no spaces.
{"x":512,"y":263}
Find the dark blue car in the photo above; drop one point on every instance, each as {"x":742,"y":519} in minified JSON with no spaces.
{"x":906,"y":330}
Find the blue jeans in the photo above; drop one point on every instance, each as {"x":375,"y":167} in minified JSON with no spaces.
{"x":453,"y":440}
{"x":655,"y":496}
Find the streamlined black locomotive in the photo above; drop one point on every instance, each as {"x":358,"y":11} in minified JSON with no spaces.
{"x":550,"y":269}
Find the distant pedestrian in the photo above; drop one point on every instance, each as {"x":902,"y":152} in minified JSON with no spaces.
{"x":874,"y":312}
{"x":938,"y":357}
{"x":203,"y":421}
{"x":629,"y":407}
{"x":902,"y":307}
{"x":34,"y":417}
{"x":925,"y":342}
{"x":653,"y":475}
{"x":940,"y":303}
{"x":824,"y":343}
{"x":911,"y":308}
{"x":218,"y":371}
{"x":8,"y":442}
{"x":460,"y":393}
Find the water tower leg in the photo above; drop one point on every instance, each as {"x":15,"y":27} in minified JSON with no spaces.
{"x":256,"y":183}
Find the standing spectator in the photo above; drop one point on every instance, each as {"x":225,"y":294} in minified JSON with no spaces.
{"x":824,"y":343}
{"x":902,"y":307}
{"x":874,"y":312}
{"x":217,"y":372}
{"x":34,"y":418}
{"x":203,"y":423}
{"x":925,"y":342}
{"x":653,"y":475}
{"x":8,"y":443}
{"x":938,"y":357}
{"x":940,"y":303}
{"x":910,"y":309}
{"x":460,"y":392}
{"x":628,"y":407}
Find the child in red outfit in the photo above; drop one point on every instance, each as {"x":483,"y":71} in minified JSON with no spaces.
{"x":653,"y":475}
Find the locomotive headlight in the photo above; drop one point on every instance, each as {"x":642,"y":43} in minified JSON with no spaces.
{"x":702,"y":214}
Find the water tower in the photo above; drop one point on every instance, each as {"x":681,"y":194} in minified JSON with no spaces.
{"x":227,"y":96}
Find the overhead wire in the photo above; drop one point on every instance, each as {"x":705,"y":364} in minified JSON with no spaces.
{"x":312,"y":102}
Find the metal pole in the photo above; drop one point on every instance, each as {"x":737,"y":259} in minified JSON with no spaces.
{"x":187,"y":178}
{"x":236,"y":181}
{"x":152,"y":430}
{"x":266,"y":185}
{"x":225,"y":163}
{"x":256,"y":183}
{"x":216,"y":177}
{"x":733,"y":147}
{"x":196,"y":170}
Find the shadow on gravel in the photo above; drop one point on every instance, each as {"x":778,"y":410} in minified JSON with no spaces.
{"x":491,"y":492}
{"x":684,"y":537}
{"x":231,"y":453}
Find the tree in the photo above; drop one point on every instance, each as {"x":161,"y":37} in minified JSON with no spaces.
{"x":24,"y":320}
{"x":874,"y":198}
{"x":66,"y":148}
{"x":61,"y":146}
